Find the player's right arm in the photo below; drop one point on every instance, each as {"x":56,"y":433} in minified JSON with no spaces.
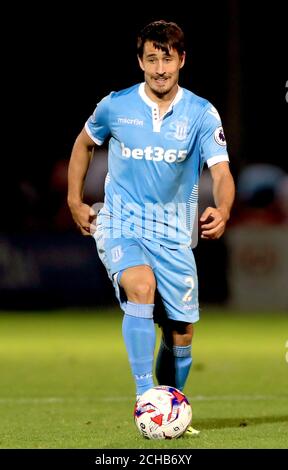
{"x":78,"y":166}
{"x":95,"y":131}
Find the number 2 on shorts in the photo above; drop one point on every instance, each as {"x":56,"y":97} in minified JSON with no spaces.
{"x":190,"y":282}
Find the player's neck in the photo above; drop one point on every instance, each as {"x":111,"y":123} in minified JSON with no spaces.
{"x":163,"y":101}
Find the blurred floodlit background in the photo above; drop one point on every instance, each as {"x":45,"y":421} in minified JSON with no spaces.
{"x":232,"y":61}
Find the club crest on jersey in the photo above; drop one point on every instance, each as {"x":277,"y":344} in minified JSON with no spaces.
{"x":219,"y":136}
{"x":116,"y":253}
{"x":179,"y":129}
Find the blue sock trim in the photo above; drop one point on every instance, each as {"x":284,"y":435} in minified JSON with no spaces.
{"x":182,"y":351}
{"x":148,"y":375}
{"x":139,"y":310}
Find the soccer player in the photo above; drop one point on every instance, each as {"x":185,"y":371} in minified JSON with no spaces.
{"x":160,"y":136}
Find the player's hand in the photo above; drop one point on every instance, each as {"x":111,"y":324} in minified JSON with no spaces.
{"x":85,"y":218}
{"x":212,"y":223}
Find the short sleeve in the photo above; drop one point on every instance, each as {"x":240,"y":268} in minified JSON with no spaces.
{"x":97,"y":126}
{"x":213,"y":146}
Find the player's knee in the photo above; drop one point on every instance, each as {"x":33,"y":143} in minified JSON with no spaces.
{"x":184,"y":340}
{"x":182,"y":334}
{"x":143,"y":292}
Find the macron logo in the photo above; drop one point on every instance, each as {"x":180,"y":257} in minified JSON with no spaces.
{"x":133,"y":122}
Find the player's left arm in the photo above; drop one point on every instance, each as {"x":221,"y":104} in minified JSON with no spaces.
{"x":213,"y":220}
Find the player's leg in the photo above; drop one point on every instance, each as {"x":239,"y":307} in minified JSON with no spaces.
{"x":177,"y":284}
{"x":138,"y":328}
{"x":165,"y":364}
{"x":175,"y":359}
{"x":177,"y":338}
{"x":139,"y":284}
{"x":175,"y":335}
{"x":128,"y":266}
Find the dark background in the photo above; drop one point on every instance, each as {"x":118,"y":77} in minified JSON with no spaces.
{"x":61,"y":63}
{"x":58,"y":63}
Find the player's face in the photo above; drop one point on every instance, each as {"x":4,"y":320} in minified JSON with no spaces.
{"x":161,"y":69}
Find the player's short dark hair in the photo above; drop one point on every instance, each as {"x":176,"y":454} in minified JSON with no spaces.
{"x":164,"y":35}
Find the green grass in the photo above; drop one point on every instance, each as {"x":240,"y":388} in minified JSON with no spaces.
{"x":65,"y":382}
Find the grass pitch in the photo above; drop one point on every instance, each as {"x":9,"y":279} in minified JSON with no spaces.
{"x":66,"y":383}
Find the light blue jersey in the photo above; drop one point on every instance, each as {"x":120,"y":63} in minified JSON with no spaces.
{"x":154,"y":163}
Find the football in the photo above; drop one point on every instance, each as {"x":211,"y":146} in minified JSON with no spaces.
{"x":162,"y":412}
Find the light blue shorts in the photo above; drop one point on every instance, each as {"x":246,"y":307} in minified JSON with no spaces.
{"x":174,"y":270}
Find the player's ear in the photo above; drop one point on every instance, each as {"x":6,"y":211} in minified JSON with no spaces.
{"x":140,"y":63}
{"x":182,"y":59}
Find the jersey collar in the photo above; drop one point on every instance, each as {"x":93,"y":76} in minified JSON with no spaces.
{"x":152,"y":104}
